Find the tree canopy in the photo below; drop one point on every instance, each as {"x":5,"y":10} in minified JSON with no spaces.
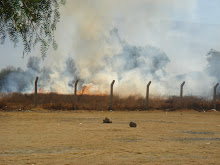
{"x":32,"y":21}
{"x":213,"y":58}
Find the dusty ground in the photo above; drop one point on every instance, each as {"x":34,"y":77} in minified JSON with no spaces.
{"x":80,"y":137}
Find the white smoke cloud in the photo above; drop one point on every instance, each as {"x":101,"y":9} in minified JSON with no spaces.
{"x":131,"y":42}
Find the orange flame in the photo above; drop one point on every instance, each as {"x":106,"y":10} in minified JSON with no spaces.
{"x":41,"y":90}
{"x":86,"y":89}
{"x":90,"y":89}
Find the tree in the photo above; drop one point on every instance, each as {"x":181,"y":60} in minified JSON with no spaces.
{"x":213,"y":58}
{"x":33,"y":21}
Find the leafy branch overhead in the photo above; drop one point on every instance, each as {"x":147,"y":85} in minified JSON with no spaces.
{"x":33,"y":21}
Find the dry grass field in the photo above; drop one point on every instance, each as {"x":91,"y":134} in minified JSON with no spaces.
{"x":80,"y":137}
{"x":55,"y":101}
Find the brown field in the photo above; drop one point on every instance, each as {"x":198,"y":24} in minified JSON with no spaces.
{"x":55,"y":101}
{"x":80,"y":137}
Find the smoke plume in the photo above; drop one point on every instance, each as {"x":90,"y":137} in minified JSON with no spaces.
{"x":98,"y":43}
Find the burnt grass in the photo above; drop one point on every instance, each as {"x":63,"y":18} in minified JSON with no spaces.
{"x":55,"y":101}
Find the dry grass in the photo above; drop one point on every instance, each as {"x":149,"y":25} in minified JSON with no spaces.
{"x":54,"y":101}
{"x":80,"y":138}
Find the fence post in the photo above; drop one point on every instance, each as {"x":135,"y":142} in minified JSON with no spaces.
{"x":35,"y":94}
{"x":111,"y":95}
{"x":75,"y":94}
{"x":147,"y":95}
{"x":214,"y":95}
{"x":181,"y":95}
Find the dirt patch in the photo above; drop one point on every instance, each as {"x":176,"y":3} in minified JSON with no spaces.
{"x":198,"y":133}
{"x":80,"y":137}
{"x":198,"y":139}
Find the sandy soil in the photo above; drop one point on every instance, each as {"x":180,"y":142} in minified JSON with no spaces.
{"x":80,"y":137}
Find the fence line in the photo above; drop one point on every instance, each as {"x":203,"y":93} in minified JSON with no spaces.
{"x":35,"y":95}
{"x":147,"y":95}
{"x":181,"y":95}
{"x":75,"y":94}
{"x":111,"y":95}
{"x":214,"y":95}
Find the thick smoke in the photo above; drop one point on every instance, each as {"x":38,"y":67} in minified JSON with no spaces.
{"x":93,"y":51}
{"x":18,"y":80}
{"x":132,"y":67}
{"x":200,"y":83}
{"x":213,"y":69}
{"x":213,"y":58}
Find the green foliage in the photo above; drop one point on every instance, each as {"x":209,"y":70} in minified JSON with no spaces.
{"x":33,"y":21}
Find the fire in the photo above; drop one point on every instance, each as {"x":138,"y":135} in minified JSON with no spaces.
{"x":86,"y":89}
{"x":41,"y":90}
{"x":90,"y":89}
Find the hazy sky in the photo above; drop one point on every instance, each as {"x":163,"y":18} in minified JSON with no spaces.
{"x":184,"y":30}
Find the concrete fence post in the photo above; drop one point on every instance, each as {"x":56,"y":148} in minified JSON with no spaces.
{"x":214,"y":95}
{"x":181,"y":95}
{"x":147,"y":96}
{"x":111,"y":95}
{"x":75,"y":94}
{"x":35,"y":94}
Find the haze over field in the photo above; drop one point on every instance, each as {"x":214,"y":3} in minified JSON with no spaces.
{"x":132,"y":42}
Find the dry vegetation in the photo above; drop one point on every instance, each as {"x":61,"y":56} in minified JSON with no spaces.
{"x":54,"y":101}
{"x":81,"y":138}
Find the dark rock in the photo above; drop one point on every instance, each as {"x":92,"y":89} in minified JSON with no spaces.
{"x":107,"y":120}
{"x":132,"y":124}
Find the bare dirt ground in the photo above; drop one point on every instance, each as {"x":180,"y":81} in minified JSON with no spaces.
{"x":80,"y":137}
